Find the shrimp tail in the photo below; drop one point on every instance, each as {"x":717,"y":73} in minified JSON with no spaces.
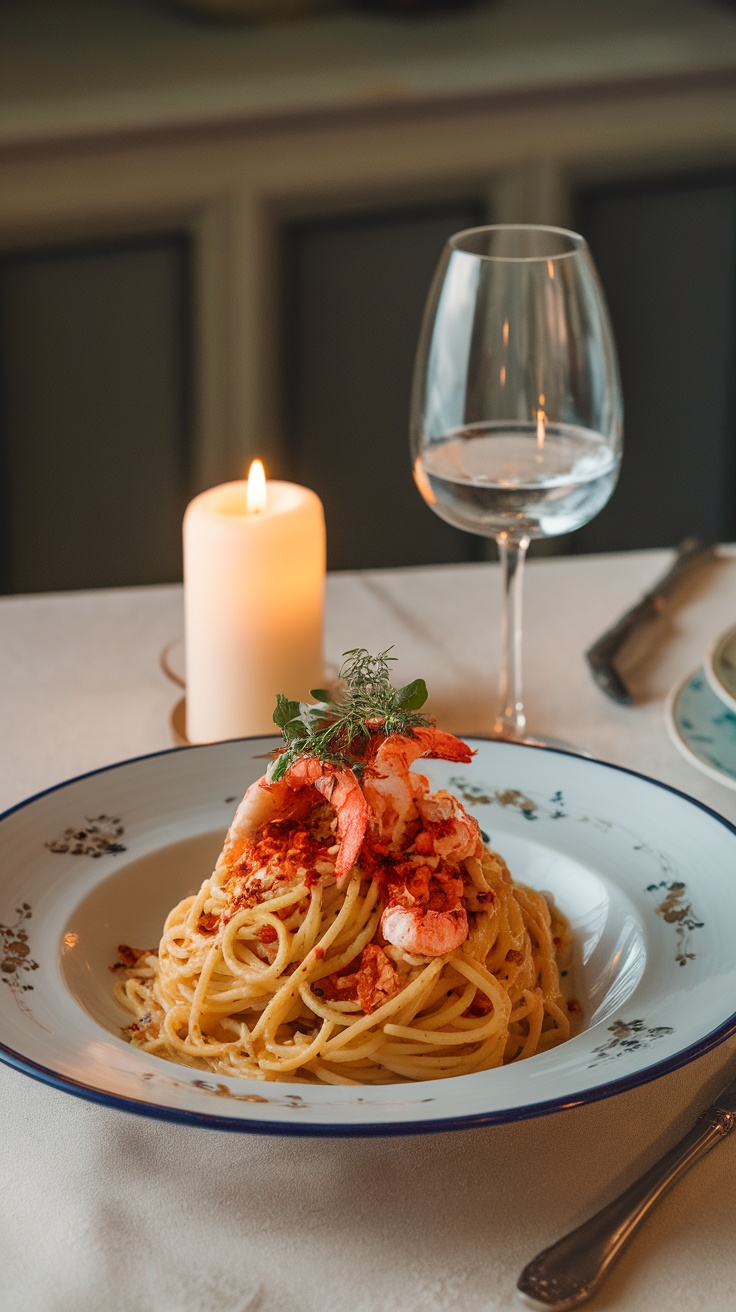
{"x":438,"y":744}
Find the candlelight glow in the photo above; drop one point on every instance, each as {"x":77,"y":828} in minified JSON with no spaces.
{"x":541,"y":422}
{"x":255,"y":497}
{"x":423,"y":483}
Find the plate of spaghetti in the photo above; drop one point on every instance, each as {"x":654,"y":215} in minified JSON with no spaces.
{"x":365,"y":925}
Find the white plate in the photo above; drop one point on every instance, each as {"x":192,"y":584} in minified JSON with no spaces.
{"x":720,"y":667}
{"x":645,"y":874}
{"x":702,"y":728}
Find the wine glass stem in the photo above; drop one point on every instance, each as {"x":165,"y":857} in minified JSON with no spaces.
{"x":511,"y":721}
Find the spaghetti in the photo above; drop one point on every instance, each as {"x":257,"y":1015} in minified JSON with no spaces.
{"x":285,"y":967}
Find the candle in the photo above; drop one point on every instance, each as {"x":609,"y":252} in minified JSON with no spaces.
{"x":254,"y":572}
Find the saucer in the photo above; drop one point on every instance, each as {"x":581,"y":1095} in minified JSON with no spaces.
{"x":702,"y":728}
{"x":720,"y":667}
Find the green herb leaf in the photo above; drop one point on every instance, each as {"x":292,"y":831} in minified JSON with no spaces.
{"x":285,"y":710}
{"x":281,"y":765}
{"x":338,"y":730}
{"x":412,"y":696}
{"x":295,"y":731}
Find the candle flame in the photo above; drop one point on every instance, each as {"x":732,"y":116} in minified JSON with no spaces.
{"x":255,"y":496}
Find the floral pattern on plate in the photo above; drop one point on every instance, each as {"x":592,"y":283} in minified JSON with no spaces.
{"x":598,"y":837}
{"x":720,"y":668}
{"x":675,"y":909}
{"x":98,"y":837}
{"x":703,"y":729}
{"x":15,"y":952}
{"x":629,"y":1036}
{"x":553,"y":808}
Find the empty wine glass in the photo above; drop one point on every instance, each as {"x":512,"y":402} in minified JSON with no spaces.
{"x":516,"y":415}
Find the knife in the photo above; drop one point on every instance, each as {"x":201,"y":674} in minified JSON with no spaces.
{"x":602,"y":654}
{"x":569,"y":1272}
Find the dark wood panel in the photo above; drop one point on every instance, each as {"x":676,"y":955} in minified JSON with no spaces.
{"x":355,"y":291}
{"x":95,"y":429}
{"x":666,"y":253}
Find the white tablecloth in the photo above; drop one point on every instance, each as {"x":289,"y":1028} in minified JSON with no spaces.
{"x":100,"y":1210}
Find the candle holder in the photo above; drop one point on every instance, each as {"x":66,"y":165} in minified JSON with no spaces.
{"x":172,"y":657}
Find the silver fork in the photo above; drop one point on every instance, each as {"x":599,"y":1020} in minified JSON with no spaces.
{"x":569,"y":1272}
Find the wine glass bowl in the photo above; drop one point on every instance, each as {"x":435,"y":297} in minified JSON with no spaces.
{"x":516,"y":414}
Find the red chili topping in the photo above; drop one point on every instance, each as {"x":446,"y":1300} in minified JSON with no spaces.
{"x":268,"y":934}
{"x":423,"y":844}
{"x":373,"y":983}
{"x":480,"y":1006}
{"x":284,"y":847}
{"x":129,"y":956}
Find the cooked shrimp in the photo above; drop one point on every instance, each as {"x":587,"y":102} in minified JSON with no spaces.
{"x":424,"y":933}
{"x":457,"y":835}
{"x":397,"y":752}
{"x":392,"y":789}
{"x":292,"y":797}
{"x":341,"y":789}
{"x":399,"y":796}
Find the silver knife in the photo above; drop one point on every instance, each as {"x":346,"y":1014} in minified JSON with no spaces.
{"x":572,"y":1270}
{"x":601,"y":655}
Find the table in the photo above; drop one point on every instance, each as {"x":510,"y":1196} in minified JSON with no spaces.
{"x":100,"y":1209}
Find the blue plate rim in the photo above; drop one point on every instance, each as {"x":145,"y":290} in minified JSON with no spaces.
{"x":474,"y":1120}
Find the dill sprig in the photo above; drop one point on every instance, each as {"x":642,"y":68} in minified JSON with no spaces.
{"x":337,"y":730}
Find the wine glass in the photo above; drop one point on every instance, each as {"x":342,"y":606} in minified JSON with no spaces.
{"x":516,"y":413}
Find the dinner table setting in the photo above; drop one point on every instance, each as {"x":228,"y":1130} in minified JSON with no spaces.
{"x":139,"y":1170}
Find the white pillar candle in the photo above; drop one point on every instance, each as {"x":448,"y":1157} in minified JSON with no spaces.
{"x":254,"y":603}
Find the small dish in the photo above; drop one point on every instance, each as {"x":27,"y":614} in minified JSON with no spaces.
{"x":720,"y":667}
{"x":644,"y":873}
{"x":702,"y":728}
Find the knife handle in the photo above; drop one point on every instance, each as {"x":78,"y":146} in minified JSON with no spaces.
{"x":601,"y":655}
{"x":569,"y":1272}
{"x":608,"y":644}
{"x":653,"y":601}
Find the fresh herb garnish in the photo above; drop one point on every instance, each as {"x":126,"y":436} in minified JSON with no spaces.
{"x":337,"y":730}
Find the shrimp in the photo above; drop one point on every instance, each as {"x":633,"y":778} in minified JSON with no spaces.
{"x":392,"y":789}
{"x":424,"y":933}
{"x":457,"y":834}
{"x":399,"y":796}
{"x":292,"y":797}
